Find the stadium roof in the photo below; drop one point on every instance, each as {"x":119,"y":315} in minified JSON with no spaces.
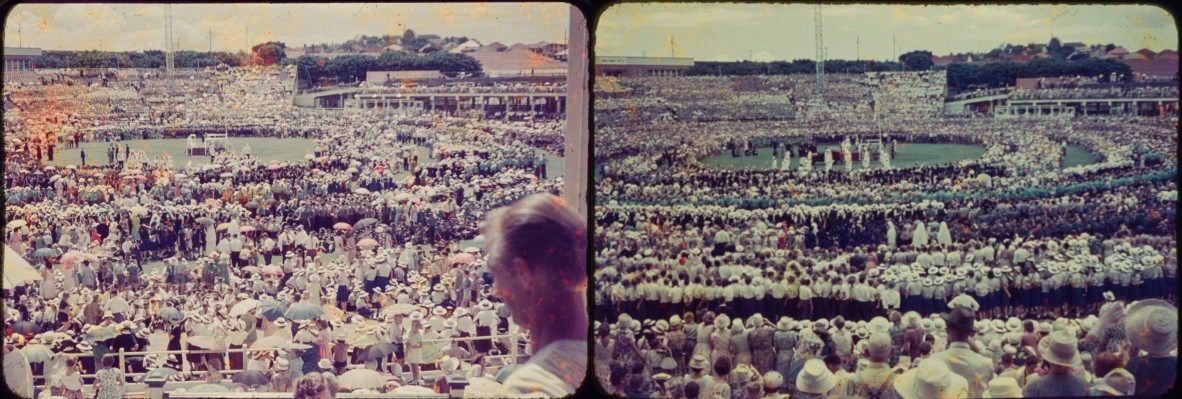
{"x":22,"y":51}
{"x":516,"y":61}
{"x":652,"y":61}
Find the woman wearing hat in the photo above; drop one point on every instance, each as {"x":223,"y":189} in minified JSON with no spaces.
{"x":784,"y":340}
{"x":1154,"y":324}
{"x":815,"y":380}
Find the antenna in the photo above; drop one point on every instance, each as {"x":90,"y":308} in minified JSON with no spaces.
{"x":820,"y":54}
{"x":859,"y":46}
{"x":169,"y":51}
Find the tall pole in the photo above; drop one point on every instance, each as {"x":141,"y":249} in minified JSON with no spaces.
{"x":169,"y":51}
{"x":894,"y":49}
{"x":575,"y":190}
{"x":820,"y":53}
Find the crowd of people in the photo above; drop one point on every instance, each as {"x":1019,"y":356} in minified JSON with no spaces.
{"x":1010,"y":274}
{"x":366,"y":261}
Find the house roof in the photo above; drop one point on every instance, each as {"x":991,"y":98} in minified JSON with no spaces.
{"x":1146,"y":52}
{"x":1161,"y":67}
{"x":526,"y":61}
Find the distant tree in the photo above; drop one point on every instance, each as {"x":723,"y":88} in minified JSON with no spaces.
{"x":1054,"y":46}
{"x":268,"y":53}
{"x":919,"y":60}
{"x":407,"y":37}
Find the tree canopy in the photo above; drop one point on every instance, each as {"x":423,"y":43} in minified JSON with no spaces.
{"x":269,"y":53}
{"x":998,"y":74}
{"x":919,"y":60}
{"x":351,"y":68}
{"x":732,"y":68}
{"x":134,"y":59}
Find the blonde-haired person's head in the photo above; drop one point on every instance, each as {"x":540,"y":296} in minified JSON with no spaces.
{"x":537,"y":256}
{"x":313,"y":386}
{"x":545,"y":232}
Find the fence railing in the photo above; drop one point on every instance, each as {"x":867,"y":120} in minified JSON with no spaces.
{"x":186,"y":368}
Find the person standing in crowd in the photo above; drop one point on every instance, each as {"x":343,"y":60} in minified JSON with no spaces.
{"x":1060,"y":350}
{"x":544,"y":290}
{"x":1154,"y":327}
{"x":961,"y":357}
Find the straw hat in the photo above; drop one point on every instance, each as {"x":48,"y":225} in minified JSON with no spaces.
{"x":1060,"y":348}
{"x":772,"y":380}
{"x":1003,"y":387}
{"x":784,"y":324}
{"x":699,"y":362}
{"x":1119,"y":382}
{"x":1013,"y":324}
{"x":998,"y":326}
{"x":324,"y":364}
{"x":281,"y":323}
{"x":815,"y":377}
{"x":931,"y":379}
{"x":1152,"y":325}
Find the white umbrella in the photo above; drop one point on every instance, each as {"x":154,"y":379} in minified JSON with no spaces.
{"x":362,"y":379}
{"x":207,"y":342}
{"x":118,"y":305}
{"x":17,"y":270}
{"x":37,"y":353}
{"x":243,"y":307}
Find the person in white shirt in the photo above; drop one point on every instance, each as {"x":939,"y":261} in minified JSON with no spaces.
{"x":236,"y":245}
{"x":537,"y":250}
{"x":267,"y":248}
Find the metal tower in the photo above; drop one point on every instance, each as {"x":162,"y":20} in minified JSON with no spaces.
{"x":169,"y":48}
{"x":820,"y":54}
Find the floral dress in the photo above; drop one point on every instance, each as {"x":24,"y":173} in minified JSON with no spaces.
{"x":110,"y":381}
{"x":762,"y":355}
{"x":785,"y":343}
{"x":720,"y":345}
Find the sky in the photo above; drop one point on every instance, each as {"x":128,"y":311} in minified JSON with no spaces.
{"x":768,"y":32}
{"x":137,"y":27}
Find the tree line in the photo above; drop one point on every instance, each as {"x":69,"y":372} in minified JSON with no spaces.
{"x":352,"y":68}
{"x":960,"y":75}
{"x":136,"y":59}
